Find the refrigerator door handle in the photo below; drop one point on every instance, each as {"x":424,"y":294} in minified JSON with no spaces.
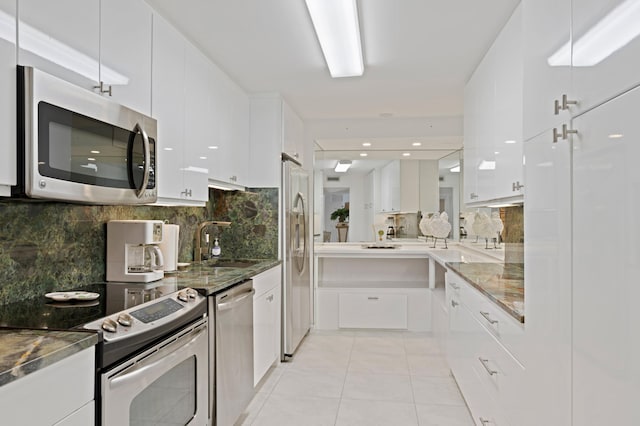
{"x":300,"y":221}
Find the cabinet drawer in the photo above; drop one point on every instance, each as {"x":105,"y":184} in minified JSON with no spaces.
{"x":267,"y":280}
{"x":372,"y":310}
{"x":505,"y":328}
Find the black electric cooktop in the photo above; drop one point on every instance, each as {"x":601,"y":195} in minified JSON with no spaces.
{"x":44,"y":313}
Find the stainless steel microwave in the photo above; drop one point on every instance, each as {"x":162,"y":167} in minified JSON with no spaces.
{"x":78,"y":146}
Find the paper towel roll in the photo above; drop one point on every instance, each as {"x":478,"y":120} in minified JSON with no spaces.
{"x":169,"y":246}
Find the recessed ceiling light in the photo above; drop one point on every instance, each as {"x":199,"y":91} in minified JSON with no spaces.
{"x":91,"y":159}
{"x":416,"y":144}
{"x":496,"y":152}
{"x":95,"y":152}
{"x":616,"y":136}
{"x":406,"y":154}
{"x":366,"y":144}
{"x":363,"y":154}
{"x":510,"y":141}
{"x":212,"y":147}
{"x":168,"y":149}
{"x":203,"y":158}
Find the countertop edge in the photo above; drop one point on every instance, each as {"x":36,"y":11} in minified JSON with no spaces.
{"x":518,"y":317}
{"x":80,"y":340}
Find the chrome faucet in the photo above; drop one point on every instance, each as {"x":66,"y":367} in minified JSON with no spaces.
{"x":198,"y":256}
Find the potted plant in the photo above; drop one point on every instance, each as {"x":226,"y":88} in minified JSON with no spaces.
{"x":343,"y":228}
{"x":341,"y":214}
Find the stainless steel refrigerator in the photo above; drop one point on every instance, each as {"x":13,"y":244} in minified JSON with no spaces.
{"x":295,"y":246}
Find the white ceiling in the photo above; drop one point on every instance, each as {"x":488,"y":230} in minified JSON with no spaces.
{"x":418,"y":55}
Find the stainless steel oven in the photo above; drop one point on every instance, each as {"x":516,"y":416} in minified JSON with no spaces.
{"x":78,"y":146}
{"x":153,"y":362}
{"x":164,"y":385}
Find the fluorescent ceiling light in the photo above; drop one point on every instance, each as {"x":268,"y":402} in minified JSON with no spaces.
{"x":338,"y":31}
{"x":455,"y":169}
{"x":342,"y":166}
{"x":487,"y":165}
{"x":607,"y":36}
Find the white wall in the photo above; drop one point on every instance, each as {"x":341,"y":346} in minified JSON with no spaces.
{"x":429,"y":187}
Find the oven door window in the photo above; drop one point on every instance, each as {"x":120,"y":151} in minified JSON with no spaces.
{"x":77,"y":148}
{"x":169,"y":400}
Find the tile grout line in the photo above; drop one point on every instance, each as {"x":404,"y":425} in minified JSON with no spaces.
{"x":344,"y":381}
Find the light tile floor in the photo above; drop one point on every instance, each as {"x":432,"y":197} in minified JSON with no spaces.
{"x":352,"y":378}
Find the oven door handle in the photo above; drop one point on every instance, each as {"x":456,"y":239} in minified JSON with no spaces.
{"x":167,"y":354}
{"x":147,"y":160}
{"x":235,"y":301}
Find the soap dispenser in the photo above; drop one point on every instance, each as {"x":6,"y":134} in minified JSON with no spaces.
{"x":215,"y":250}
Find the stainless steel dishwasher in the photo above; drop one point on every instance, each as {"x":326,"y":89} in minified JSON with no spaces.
{"x":231,"y":340}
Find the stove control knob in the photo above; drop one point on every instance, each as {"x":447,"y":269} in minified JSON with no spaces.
{"x":125,"y":320}
{"x":109,"y":325}
{"x":183,"y":296}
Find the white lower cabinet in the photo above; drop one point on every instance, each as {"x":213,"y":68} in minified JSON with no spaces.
{"x":62,"y":392}
{"x":372,"y":310}
{"x":489,"y":376}
{"x":266,"y":321}
{"x":369,"y":293}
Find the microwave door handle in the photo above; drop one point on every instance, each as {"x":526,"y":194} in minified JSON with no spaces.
{"x":147,"y":160}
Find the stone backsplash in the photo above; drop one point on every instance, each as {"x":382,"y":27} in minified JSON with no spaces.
{"x":513,"y":234}
{"x":48,"y":246}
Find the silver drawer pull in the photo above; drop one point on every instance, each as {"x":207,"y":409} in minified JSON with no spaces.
{"x":373,"y":298}
{"x":488,"y":318}
{"x":484,"y":421}
{"x":485,"y":364}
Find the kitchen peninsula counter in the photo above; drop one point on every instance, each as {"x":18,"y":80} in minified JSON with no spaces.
{"x":23,"y":352}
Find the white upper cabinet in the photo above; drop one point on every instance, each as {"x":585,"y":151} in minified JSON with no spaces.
{"x":89,"y":42}
{"x":275,"y":128}
{"x":606,"y":50}
{"x":547,"y":25}
{"x":200,"y":119}
{"x":493,"y":121}
{"x":507,"y":106}
{"x":400,"y":186}
{"x":176,"y":183}
{"x":230,"y":143}
{"x":125,"y":52}
{"x":61,"y":37}
{"x":292,"y":133}
{"x":578,"y":54}
{"x":8,"y":100}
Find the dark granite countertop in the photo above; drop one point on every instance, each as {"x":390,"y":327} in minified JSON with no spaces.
{"x":503,"y":283}
{"x":28,"y":341}
{"x":24,"y":351}
{"x":208,"y":279}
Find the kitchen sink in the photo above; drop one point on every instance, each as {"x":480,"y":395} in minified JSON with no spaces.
{"x":220,"y":263}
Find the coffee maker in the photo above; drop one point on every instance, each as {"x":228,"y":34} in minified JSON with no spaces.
{"x":133,"y":251}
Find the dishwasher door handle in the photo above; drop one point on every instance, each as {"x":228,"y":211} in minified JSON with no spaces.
{"x":235,"y":301}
